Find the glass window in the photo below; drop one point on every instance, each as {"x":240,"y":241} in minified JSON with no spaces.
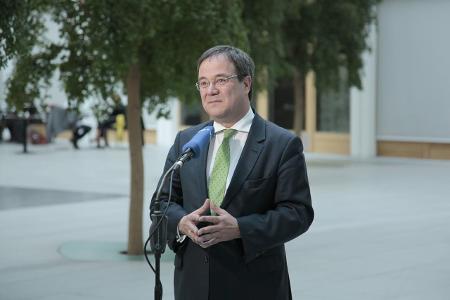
{"x":333,"y":107}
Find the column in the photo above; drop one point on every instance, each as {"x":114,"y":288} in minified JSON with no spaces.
{"x":167,"y":129}
{"x":363,"y":105}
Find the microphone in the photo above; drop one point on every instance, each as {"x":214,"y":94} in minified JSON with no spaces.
{"x":193,"y":148}
{"x":158,"y":236}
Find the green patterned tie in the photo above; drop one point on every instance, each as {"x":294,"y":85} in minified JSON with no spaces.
{"x":218,"y":179}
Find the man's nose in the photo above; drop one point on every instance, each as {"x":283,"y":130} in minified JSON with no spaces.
{"x":212,"y":90}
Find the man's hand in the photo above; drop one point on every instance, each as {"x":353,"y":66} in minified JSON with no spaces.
{"x":224,"y":228}
{"x":188,"y":223}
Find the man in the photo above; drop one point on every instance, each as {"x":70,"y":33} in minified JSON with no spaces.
{"x":233,"y":208}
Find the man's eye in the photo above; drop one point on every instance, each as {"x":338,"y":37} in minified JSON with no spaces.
{"x":203,"y":84}
{"x":220,"y":81}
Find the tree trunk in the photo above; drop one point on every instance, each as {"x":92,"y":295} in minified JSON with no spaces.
{"x":135,"y":242}
{"x":299,"y":101}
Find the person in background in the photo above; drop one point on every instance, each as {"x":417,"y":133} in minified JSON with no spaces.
{"x":79,"y":130}
{"x":103,"y":126}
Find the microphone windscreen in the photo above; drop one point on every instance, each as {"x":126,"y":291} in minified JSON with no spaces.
{"x":199,"y":140}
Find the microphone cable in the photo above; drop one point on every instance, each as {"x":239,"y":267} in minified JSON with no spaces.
{"x":151,"y":233}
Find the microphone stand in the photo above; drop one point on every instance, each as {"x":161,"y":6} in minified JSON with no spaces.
{"x":159,"y":239}
{"x":158,"y":236}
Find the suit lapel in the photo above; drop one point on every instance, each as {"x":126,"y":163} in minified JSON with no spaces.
{"x":198,"y":175}
{"x":249,"y":156}
{"x":198,"y":172}
{"x":202,"y":168}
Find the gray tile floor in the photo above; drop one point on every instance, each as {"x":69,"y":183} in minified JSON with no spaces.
{"x":16,"y":197}
{"x":381,"y":228}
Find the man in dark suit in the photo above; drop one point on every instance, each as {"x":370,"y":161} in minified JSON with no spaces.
{"x":233,"y":208}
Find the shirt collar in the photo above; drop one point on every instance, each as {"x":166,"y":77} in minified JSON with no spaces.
{"x":243,"y":125}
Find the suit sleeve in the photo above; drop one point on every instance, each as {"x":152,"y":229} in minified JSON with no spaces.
{"x":174,"y":207}
{"x":292,"y":212}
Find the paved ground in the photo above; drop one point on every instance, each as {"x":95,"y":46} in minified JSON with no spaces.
{"x":381,"y":228}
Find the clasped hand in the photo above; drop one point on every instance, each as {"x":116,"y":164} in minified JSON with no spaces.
{"x":224,"y":227}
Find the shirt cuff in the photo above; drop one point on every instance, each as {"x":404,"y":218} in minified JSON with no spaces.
{"x":180,"y":237}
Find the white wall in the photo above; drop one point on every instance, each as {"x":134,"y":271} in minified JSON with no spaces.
{"x":2,"y":91}
{"x":363,"y":104}
{"x":167,"y":129}
{"x":5,"y":73}
{"x":414,"y":71}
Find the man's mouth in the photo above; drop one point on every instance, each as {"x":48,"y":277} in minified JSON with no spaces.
{"x":214,"y":101}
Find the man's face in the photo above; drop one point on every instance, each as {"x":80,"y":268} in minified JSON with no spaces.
{"x":228,"y":103}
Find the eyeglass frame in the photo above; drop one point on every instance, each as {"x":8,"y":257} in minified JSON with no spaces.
{"x":226,"y":79}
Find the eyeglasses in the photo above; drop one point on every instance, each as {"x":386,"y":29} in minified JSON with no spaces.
{"x":218,"y":82}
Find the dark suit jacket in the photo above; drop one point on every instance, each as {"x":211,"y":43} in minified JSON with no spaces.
{"x":270,"y":197}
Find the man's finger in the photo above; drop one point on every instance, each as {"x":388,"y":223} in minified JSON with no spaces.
{"x":203,"y":245}
{"x":188,"y":225}
{"x":203,"y":208}
{"x":192,"y":228}
{"x":208,"y":243}
{"x":219,"y":211}
{"x":210,"y":219}
{"x":208,"y":229}
{"x":206,"y":237}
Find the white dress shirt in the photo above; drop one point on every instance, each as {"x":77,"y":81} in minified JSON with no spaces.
{"x":237,"y":143}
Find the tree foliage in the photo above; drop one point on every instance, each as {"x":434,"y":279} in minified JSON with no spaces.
{"x":326,"y":35}
{"x":263,"y":23}
{"x":21,"y":31}
{"x":100,"y":39}
{"x":148,"y":48}
{"x":20,"y":26}
{"x":144,"y":48}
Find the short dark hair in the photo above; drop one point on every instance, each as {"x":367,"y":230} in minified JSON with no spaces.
{"x":242,"y":61}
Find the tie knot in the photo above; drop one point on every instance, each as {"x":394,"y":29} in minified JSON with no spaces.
{"x":228,"y":133}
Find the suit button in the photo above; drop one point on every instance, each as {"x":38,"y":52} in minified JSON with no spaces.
{"x":206,"y":259}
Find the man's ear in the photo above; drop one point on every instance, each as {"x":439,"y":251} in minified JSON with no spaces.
{"x":247,"y":83}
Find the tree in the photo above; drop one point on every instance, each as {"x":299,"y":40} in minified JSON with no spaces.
{"x":21,"y":25}
{"x":263,"y":22}
{"x":325,"y":36}
{"x":147,"y":49}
